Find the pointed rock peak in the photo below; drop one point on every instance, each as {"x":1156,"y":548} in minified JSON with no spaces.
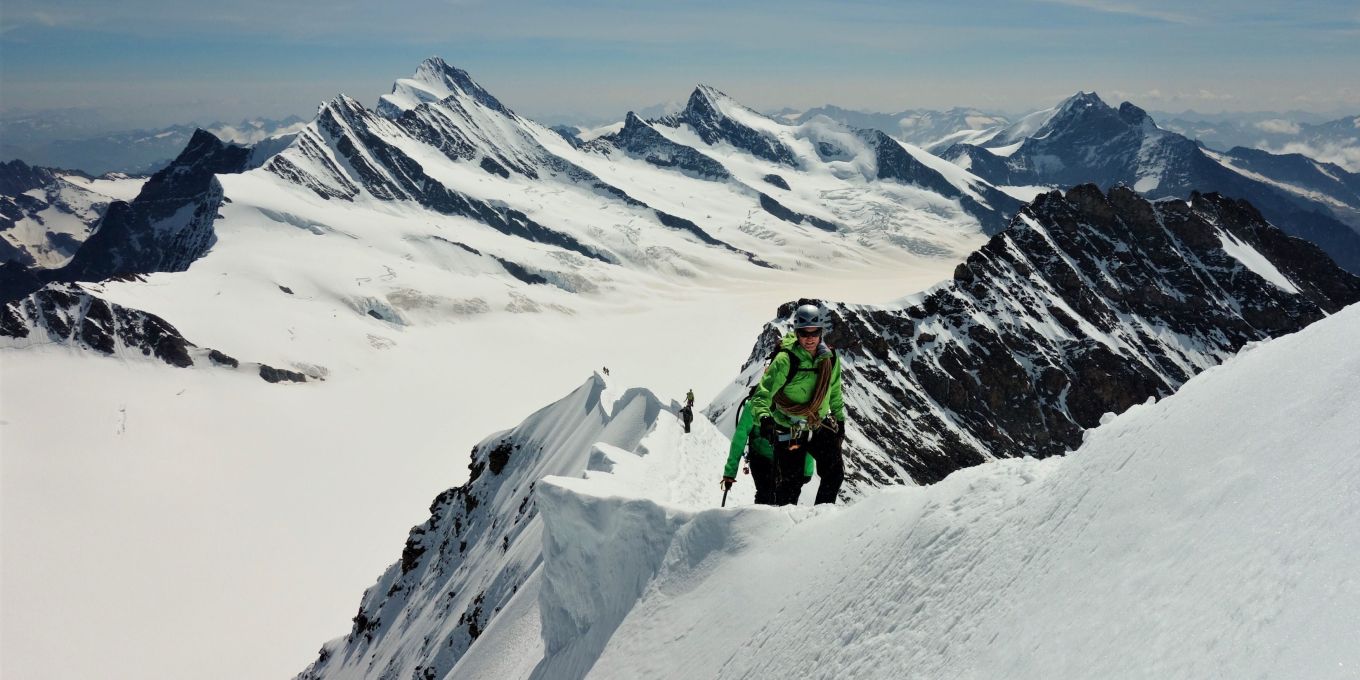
{"x":437,"y":73}
{"x":341,"y":103}
{"x":436,"y":80}
{"x":1082,"y":100}
{"x":632,"y":121}
{"x":706,"y":101}
{"x":1080,"y":112}
{"x":1133,"y":115}
{"x":708,"y":92}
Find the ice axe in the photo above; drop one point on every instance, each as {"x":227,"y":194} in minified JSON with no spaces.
{"x":726,"y":486}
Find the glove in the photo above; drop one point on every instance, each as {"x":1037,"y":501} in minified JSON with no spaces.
{"x":727,"y":483}
{"x":767,"y":428}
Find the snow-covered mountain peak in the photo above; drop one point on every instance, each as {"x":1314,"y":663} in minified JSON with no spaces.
{"x":435,"y":80}
{"x":707,"y":96}
{"x":1085,"y":140}
{"x":707,"y":105}
{"x":1080,"y":112}
{"x":1081,"y":100}
{"x":717,"y":118}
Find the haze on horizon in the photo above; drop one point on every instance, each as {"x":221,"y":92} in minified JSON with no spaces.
{"x":156,"y":62}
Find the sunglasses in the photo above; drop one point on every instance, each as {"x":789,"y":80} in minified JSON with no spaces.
{"x":808,"y":332}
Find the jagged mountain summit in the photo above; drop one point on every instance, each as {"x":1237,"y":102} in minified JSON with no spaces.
{"x":443,"y":204}
{"x":1086,"y":140}
{"x":1090,"y":303}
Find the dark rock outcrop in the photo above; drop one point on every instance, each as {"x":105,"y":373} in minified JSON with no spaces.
{"x":167,"y":227}
{"x":704,"y":114}
{"x":1090,"y":303}
{"x":641,"y":140}
{"x":66,"y":314}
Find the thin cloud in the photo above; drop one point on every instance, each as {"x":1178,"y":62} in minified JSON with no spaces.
{"x":1126,"y":10}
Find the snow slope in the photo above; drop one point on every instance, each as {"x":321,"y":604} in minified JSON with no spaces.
{"x":1208,"y":535}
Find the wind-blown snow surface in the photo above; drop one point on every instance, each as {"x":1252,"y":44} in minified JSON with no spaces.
{"x":1209,"y":535}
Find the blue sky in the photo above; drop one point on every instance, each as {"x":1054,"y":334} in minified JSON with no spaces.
{"x":161,"y":61}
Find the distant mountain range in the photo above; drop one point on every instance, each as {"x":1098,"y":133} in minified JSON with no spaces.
{"x":472,"y":209}
{"x":1329,"y":141}
{"x":1086,"y":140}
{"x":1336,"y":141}
{"x":920,"y":127}
{"x":133,"y":152}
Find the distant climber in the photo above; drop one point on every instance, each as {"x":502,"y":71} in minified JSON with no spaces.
{"x":689,"y":398}
{"x":687,"y":415}
{"x":799,"y":409}
{"x":606,"y":370}
{"x":759,"y":456}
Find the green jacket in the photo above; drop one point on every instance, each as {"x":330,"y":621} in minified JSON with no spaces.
{"x":797,"y":387}
{"x":759,"y":445}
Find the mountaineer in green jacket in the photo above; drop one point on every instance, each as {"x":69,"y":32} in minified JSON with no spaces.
{"x":760,"y":457}
{"x":799,"y":409}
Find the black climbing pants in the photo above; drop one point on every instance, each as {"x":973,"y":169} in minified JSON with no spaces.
{"x":762,"y":475}
{"x":789,"y":467}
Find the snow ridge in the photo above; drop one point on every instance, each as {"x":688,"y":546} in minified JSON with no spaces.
{"x":483,"y":544}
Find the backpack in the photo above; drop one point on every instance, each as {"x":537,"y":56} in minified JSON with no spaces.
{"x":795,"y":365}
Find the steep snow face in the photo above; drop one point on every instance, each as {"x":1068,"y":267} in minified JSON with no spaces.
{"x":1204,"y":535}
{"x":1090,"y":303}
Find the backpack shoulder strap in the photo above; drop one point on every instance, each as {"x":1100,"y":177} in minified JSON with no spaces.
{"x":794,"y":364}
{"x":742,"y":406}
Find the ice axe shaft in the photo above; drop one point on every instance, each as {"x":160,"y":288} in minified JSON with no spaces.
{"x":724,"y":500}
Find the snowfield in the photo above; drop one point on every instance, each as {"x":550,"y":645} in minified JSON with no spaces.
{"x":1208,"y":535}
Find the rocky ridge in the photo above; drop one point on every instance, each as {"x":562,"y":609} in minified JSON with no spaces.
{"x":1090,"y":303}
